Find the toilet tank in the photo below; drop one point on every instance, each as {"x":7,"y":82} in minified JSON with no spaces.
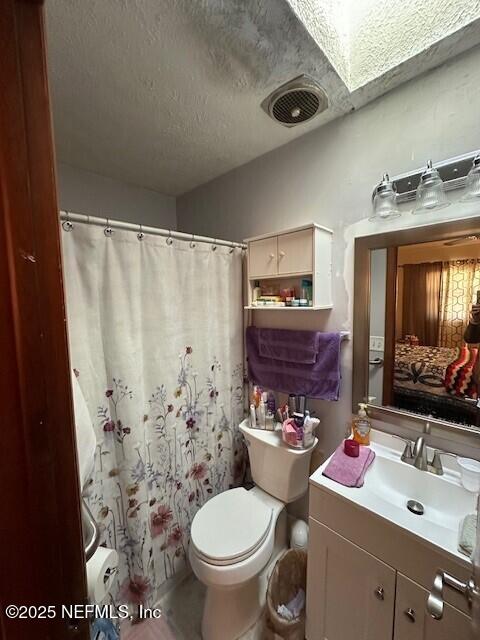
{"x":277,"y":468}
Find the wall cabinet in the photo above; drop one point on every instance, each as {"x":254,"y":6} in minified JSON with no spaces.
{"x":283,"y":259}
{"x":263,"y":257}
{"x":295,"y":252}
{"x":351,"y":595}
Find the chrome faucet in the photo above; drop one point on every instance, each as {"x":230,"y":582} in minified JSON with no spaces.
{"x":420,"y":454}
{"x":415,"y":453}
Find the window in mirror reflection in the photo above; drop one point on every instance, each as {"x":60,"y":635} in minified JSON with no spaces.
{"x":432,"y":339}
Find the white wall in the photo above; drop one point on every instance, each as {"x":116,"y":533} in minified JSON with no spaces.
{"x":327,"y":177}
{"x":90,"y":193}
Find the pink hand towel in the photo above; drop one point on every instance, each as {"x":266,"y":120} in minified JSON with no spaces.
{"x":349,"y":471}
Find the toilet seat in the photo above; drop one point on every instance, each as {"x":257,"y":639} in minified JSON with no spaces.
{"x":230,"y":527}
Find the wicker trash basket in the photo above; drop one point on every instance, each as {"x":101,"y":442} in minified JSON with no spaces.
{"x":288,"y":576}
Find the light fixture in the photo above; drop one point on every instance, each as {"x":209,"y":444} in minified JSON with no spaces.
{"x":472,"y":184}
{"x":463,"y":240}
{"x":431,"y":191}
{"x":384,"y":200}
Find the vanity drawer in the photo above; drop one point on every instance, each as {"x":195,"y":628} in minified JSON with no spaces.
{"x":412,"y":621}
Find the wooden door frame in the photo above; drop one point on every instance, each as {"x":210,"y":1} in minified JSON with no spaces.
{"x":41,"y":547}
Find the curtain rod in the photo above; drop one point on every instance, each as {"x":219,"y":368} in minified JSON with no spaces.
{"x":108,"y":223}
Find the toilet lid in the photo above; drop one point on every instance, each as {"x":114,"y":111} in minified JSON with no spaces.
{"x":230,"y":526}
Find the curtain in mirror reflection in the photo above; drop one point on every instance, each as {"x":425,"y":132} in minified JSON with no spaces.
{"x":421,"y":301}
{"x":436,"y":300}
{"x":460,"y":282}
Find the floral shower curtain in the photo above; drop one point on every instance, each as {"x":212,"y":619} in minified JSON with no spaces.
{"x":156,"y":343}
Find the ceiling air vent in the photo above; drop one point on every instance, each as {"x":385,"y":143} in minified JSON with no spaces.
{"x":295,"y":102}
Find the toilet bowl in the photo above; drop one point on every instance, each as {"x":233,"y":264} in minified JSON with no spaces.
{"x":235,"y":540}
{"x":237,"y":536}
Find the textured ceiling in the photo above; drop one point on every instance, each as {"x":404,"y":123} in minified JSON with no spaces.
{"x":366,"y":39}
{"x":166,"y":94}
{"x":385,"y":34}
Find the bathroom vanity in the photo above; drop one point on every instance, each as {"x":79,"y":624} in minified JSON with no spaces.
{"x":372,"y":563}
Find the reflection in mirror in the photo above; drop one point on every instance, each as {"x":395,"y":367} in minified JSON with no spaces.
{"x":378,"y":267}
{"x":425,"y":329}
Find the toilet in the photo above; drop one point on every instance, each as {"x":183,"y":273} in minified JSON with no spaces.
{"x":237,"y":536}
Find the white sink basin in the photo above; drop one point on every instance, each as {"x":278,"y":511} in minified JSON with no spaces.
{"x":390,"y":483}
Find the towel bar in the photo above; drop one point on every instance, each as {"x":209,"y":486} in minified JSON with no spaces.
{"x":91,"y":531}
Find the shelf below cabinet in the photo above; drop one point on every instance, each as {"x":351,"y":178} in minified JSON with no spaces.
{"x":273,"y":308}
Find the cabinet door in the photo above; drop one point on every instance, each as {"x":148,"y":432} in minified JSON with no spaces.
{"x":412,"y":621}
{"x":295,"y":252}
{"x":262,"y":258}
{"x":350,"y":593}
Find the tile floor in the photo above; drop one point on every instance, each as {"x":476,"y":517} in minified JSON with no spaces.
{"x":183,"y":607}
{"x":148,"y":630}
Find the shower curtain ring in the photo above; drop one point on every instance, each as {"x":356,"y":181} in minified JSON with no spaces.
{"x":108,"y":231}
{"x":214,"y":246}
{"x":169,"y":239}
{"x":192,"y":242}
{"x":141,"y":235}
{"x":232,"y":249}
{"x":67,"y":225}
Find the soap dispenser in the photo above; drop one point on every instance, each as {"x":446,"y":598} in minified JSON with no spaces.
{"x":361,"y":425}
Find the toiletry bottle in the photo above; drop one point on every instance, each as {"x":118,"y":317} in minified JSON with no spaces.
{"x":261,"y":413}
{"x":361,"y":425}
{"x":309,"y":426}
{"x":301,"y":404}
{"x":257,"y":291}
{"x":271,"y":402}
{"x":253,"y":417}
{"x":256,"y":396}
{"x":298,"y":419}
{"x":292,"y":404}
{"x":308,"y":437}
{"x":269,"y":421}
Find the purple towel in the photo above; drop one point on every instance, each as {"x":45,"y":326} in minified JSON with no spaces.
{"x":349,"y":471}
{"x":279,"y":345}
{"x":301,"y":362}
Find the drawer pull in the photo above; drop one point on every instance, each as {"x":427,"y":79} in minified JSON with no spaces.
{"x":271,"y":256}
{"x":282,"y":254}
{"x":410,"y":613}
{"x":380,"y":593}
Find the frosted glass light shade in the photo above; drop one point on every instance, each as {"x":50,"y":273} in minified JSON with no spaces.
{"x":431,"y":191}
{"x":385,"y":201}
{"x":472,"y":185}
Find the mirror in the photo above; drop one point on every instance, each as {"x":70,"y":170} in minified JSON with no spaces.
{"x":422,"y":322}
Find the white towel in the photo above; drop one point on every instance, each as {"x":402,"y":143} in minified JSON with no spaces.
{"x":86,"y":441}
{"x":467,"y":534}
